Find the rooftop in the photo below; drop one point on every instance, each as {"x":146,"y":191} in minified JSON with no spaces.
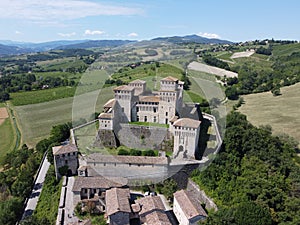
{"x":150,"y":98}
{"x":96,"y":157}
{"x":170,"y":78}
{"x":117,"y":200}
{"x":64,"y":149}
{"x":138,"y":82}
{"x":189,"y":206}
{"x":153,"y":210}
{"x":105,"y":116}
{"x":187,"y":122}
{"x":123,"y":88}
{"x":97,"y":182}
{"x":110,"y":103}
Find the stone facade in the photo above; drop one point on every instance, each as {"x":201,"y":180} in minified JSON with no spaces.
{"x":65,"y":155}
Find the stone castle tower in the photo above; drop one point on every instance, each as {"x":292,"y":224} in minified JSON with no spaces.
{"x":170,"y":93}
{"x":65,"y":156}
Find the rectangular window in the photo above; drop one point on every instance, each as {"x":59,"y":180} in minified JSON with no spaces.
{"x":166,"y":121}
{"x":137,"y":118}
{"x":137,"y":109}
{"x":66,"y":161}
{"x":122,"y":109}
{"x":145,"y":119}
{"x":154,"y":110}
{"x":154,"y":119}
{"x":166,"y":113}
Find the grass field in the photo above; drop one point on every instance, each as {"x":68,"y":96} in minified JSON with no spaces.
{"x":36,"y":120}
{"x":281,"y":112}
{"x":8,"y":137}
{"x":89,"y":81}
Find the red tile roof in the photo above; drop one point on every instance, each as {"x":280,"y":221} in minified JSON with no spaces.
{"x":187,"y":204}
{"x":153,"y":211}
{"x":117,"y":200}
{"x":187,"y":122}
{"x":123,"y":88}
{"x":96,"y":182}
{"x":64,"y":149}
{"x":170,"y":78}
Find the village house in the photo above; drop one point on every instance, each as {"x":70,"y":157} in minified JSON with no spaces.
{"x":187,"y":210}
{"x":153,"y":211}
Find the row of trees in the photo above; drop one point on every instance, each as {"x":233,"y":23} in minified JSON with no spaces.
{"x":255,"y":178}
{"x":19,"y":168}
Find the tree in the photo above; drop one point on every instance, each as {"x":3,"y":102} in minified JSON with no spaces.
{"x":231,"y":93}
{"x":10,"y":211}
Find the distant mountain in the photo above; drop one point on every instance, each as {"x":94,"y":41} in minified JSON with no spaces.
{"x":8,"y":47}
{"x":192,"y":38}
{"x":12,"y":50}
{"x":97,"y":43}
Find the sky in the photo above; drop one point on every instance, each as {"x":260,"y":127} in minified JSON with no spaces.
{"x":234,"y":20}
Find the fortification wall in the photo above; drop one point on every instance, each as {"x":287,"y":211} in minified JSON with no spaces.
{"x":142,"y":137}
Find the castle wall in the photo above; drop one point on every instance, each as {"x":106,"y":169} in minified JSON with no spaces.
{"x":142,"y":137}
{"x":130,"y":171}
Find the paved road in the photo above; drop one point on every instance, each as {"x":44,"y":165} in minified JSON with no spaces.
{"x":69,"y":205}
{"x":36,"y":191}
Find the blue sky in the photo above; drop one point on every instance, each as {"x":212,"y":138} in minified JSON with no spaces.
{"x":235,"y":20}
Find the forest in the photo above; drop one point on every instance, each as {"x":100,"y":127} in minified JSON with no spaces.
{"x":255,"y":178}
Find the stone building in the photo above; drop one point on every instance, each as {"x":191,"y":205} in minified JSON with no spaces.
{"x":133,"y":103}
{"x":186,"y":209}
{"x":65,"y":155}
{"x":118,"y":207}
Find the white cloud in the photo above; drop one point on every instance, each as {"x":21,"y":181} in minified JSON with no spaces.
{"x":38,"y":10}
{"x":93,"y":32}
{"x":132,"y":34}
{"x":18,"y":32}
{"x":67,"y":34}
{"x":208,"y":35}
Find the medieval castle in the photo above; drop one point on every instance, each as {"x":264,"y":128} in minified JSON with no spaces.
{"x":133,"y":103}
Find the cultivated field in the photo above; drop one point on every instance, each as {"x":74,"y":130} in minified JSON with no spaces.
{"x":36,"y":120}
{"x":242,"y":54}
{"x":281,"y":112}
{"x":211,"y":69}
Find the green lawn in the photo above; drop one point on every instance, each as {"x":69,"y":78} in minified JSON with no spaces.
{"x":150,"y":124}
{"x":281,"y":112}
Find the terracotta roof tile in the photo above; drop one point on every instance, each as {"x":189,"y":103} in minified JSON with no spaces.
{"x":95,"y":182}
{"x":149,"y":98}
{"x":110,"y":103}
{"x":170,"y":78}
{"x":64,"y":149}
{"x":138,"y":82}
{"x":187,"y":122}
{"x":123,"y":88}
{"x":189,"y":206}
{"x":105,"y":116}
{"x":153,"y":211}
{"x":117,"y":200}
